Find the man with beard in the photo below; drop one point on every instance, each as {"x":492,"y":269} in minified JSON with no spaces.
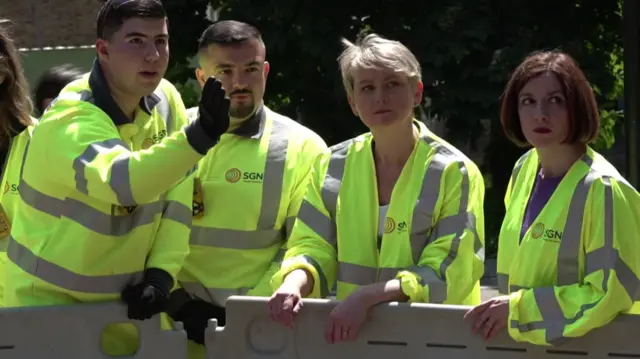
{"x":248,"y":189}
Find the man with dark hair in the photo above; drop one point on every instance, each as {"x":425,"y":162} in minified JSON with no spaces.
{"x":249,"y":188}
{"x":225,"y":35}
{"x":111,"y":218}
{"x":51,"y":83}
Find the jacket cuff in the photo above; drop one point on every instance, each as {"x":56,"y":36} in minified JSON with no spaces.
{"x":412,"y":288}
{"x":198,"y":138}
{"x":160,"y":279}
{"x":320,"y":284}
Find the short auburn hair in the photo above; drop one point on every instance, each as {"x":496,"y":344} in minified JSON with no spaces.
{"x":584,"y":118}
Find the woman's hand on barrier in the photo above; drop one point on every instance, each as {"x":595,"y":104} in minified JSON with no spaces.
{"x":490,"y":316}
{"x":346,"y":319}
{"x":285,"y":303}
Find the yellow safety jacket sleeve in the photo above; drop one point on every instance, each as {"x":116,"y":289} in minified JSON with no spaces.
{"x":611,"y":250}
{"x":309,"y":154}
{"x":307,"y":249}
{"x":91,"y":156}
{"x":452,"y":261}
{"x":171,"y":245}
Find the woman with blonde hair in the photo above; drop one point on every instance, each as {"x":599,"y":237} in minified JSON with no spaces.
{"x":16,"y":125}
{"x":395,"y":214}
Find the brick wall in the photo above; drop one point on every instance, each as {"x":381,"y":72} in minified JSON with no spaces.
{"x":43,"y":23}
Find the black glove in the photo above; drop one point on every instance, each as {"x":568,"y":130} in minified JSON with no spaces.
{"x":214,"y":109}
{"x":194,"y":314}
{"x":213,"y":117}
{"x":149,"y":297}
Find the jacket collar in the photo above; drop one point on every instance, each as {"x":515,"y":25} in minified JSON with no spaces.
{"x":254,"y":126}
{"x":103,"y":99}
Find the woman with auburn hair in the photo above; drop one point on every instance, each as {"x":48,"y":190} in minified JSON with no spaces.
{"x":569,"y":246}
{"x":16,"y":125}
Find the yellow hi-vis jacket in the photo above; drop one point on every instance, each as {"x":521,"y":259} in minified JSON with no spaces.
{"x":434,"y":229}
{"x":103,"y":198}
{"x":577,"y":266}
{"x":9,"y":191}
{"x":252,"y":184}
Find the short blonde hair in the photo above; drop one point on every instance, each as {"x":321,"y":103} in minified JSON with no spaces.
{"x":376,"y":52}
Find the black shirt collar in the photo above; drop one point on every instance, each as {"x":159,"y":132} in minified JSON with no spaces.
{"x":254,"y":126}
{"x":103,"y":99}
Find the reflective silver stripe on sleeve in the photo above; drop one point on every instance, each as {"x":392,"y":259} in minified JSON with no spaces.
{"x":324,"y":226}
{"x":177,"y":212}
{"x":85,"y":215}
{"x":455,"y":243}
{"x":122,"y":191}
{"x":423,"y":217}
{"x":423,"y":212}
{"x":120,"y":181}
{"x":64,"y":278}
{"x":452,"y":224}
{"x":318,"y":222}
{"x":89,"y":154}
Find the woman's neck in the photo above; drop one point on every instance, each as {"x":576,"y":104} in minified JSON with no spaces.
{"x":394,"y":144}
{"x":556,"y":161}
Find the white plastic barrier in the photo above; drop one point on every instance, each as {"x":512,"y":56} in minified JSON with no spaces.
{"x":396,"y":331}
{"x":74,"y":331}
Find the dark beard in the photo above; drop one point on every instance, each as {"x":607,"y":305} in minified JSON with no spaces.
{"x":242,"y":111}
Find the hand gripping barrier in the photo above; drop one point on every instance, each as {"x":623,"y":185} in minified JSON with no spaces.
{"x":74,"y":332}
{"x":396,"y":331}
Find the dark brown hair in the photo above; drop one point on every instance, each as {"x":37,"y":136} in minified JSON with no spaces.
{"x":584,"y":119}
{"x":114,"y":13}
{"x":15,"y":104}
{"x":52,"y":82}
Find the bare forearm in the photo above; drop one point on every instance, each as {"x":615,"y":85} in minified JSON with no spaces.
{"x":390,"y":291}
{"x":301,"y":279}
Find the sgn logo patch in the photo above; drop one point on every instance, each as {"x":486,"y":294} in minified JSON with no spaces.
{"x":548,"y":234}
{"x":234,"y":175}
